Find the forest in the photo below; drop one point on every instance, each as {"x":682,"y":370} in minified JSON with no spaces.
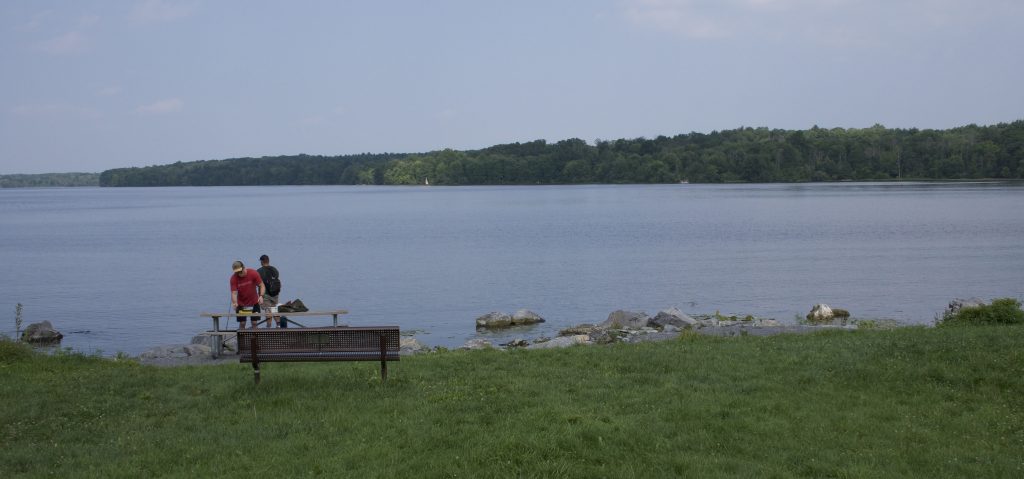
{"x":49,"y":179}
{"x":757,"y":155}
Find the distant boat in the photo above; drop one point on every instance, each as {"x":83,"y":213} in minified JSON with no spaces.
{"x":684,"y":182}
{"x":426,"y":182}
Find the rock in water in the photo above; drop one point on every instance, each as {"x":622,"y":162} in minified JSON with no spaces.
{"x":497,"y":319}
{"x":494,"y":319}
{"x":41,"y":333}
{"x":625,"y":320}
{"x":820,"y":312}
{"x":525,"y":316}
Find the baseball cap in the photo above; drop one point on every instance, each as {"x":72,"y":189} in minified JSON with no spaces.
{"x":237,"y":266}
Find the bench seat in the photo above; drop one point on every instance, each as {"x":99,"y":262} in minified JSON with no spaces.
{"x":340,"y":343}
{"x":265,"y":357}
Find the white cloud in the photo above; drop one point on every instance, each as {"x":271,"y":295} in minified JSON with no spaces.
{"x":161,"y":107}
{"x":151,"y":11}
{"x":68,"y":43}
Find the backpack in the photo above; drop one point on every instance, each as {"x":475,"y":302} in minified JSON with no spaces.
{"x":272,"y":282}
{"x":293,"y":306}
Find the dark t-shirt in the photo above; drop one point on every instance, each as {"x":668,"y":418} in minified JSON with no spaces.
{"x":267,"y":272}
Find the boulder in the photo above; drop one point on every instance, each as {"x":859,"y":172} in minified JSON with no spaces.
{"x":516,"y":343}
{"x":41,"y":333}
{"x":177,"y":351}
{"x":209,"y":340}
{"x":494,"y":319}
{"x":957,"y":304}
{"x":474,"y":344}
{"x":562,"y":342}
{"x":497,"y":319}
{"x":605,"y":336}
{"x":525,"y":316}
{"x":409,"y":346}
{"x":625,"y":320}
{"x":205,"y":339}
{"x":820,"y":312}
{"x":578,"y":329}
{"x":656,"y":336}
{"x":673,"y":317}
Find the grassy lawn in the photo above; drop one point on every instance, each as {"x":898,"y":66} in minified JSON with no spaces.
{"x":913,"y":402}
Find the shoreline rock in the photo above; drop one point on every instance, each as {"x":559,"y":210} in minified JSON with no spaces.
{"x":41,"y":333}
{"x":621,"y":319}
{"x":673,"y":317}
{"x":497,"y":320}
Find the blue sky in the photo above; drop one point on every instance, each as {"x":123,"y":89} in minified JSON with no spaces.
{"x":92,"y":85}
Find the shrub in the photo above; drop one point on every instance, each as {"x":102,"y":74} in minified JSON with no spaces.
{"x":1001,"y":311}
{"x":11,"y":351}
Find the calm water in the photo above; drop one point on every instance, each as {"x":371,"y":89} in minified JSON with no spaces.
{"x":127,"y":269}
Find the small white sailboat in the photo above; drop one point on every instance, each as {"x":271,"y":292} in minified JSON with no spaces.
{"x":426,"y":182}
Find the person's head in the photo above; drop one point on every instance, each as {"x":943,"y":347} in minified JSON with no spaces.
{"x":264,"y":260}
{"x":238,"y":268}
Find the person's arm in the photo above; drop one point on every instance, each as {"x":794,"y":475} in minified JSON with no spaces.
{"x":262,"y":290}
{"x":233,"y":286}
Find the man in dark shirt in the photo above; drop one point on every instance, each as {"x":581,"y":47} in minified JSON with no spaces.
{"x":272,"y":282}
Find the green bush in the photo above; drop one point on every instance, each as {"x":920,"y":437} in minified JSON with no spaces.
{"x":11,"y":351}
{"x":1001,"y":311}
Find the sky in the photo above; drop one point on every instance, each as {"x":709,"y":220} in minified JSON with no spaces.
{"x":92,"y":85}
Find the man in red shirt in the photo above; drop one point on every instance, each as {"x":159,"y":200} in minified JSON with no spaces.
{"x":246,"y":292}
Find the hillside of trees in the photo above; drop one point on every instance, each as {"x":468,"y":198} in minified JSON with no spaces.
{"x":739,"y":155}
{"x":50,"y":179}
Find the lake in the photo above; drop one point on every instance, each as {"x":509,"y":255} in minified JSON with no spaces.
{"x":125,"y":269}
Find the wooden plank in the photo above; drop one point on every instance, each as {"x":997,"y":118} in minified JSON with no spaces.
{"x":279,"y":313}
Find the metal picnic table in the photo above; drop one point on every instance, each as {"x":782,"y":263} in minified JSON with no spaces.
{"x":221,"y":333}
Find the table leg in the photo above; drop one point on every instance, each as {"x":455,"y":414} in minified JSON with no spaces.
{"x":217,"y":344}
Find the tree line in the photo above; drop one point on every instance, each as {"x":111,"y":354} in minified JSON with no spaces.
{"x":738,"y":155}
{"x":50,"y":179}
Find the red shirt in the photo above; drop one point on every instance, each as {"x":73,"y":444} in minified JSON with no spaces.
{"x":247,"y":287}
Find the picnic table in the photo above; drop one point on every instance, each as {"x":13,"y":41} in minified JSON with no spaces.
{"x":219,"y":334}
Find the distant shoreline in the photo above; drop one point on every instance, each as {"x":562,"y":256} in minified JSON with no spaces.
{"x":40,"y":181}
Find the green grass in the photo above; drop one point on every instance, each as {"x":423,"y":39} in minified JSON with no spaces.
{"x":913,"y":402}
